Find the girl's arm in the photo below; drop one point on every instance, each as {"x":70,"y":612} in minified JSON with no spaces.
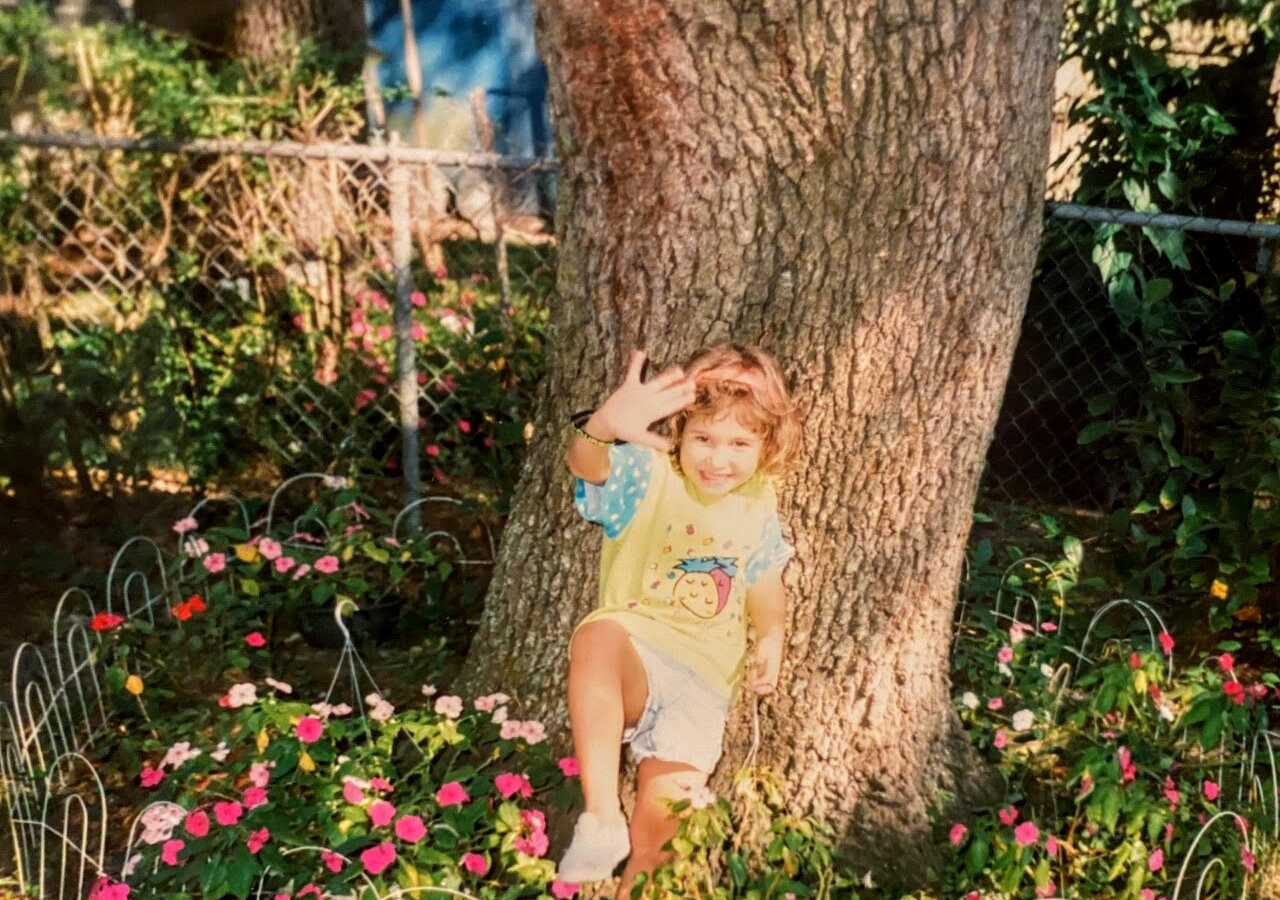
{"x":767,"y":607}
{"x":626,"y":416}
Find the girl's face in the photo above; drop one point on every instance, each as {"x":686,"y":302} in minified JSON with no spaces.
{"x":719,"y":454}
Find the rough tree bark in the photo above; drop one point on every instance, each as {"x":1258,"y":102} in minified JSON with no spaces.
{"x":857,"y":185}
{"x":271,"y":29}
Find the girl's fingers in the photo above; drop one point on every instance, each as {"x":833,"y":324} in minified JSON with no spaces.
{"x":635,"y":366}
{"x":666,"y":378}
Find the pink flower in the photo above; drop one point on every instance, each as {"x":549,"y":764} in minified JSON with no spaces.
{"x":381,"y":813}
{"x":958,"y":831}
{"x":197,"y":823}
{"x":1246,"y":859}
{"x":309,"y":729}
{"x":410,"y":829}
{"x":260,"y":774}
{"x":1166,"y":643}
{"x":1000,"y":740}
{"x":359,"y":329}
{"x":510,"y":729}
{"x":1135,"y":661}
{"x":1049,"y":627}
{"x":534,"y":845}
{"x":1008,"y":815}
{"x":1128,"y":771}
{"x":1005,"y":655}
{"x":375,"y":859}
{"x":449,"y":705}
{"x":227,"y":813}
{"x":258,"y":840}
{"x":255,"y":639}
{"x":464,"y":426}
{"x":169,"y":852}
{"x":433,"y":450}
{"x":1051,"y":846}
{"x":1155,"y":862}
{"x":452,"y":794}
{"x":533,"y":732}
{"x":214,"y":563}
{"x":1026,"y":834}
{"x":474,"y":863}
{"x":300,"y":571}
{"x":1227,"y":662}
{"x":417,"y":332}
{"x":1048,"y":889}
{"x":254,"y":797}
{"x":1147,"y":894}
{"x":417,"y":298}
{"x":1210,"y":789}
{"x":332,"y":861}
{"x":283,"y":564}
{"x":378,"y":783}
{"x":352,"y":794}
{"x":508,"y":784}
{"x":995,"y":703}
{"x":269,"y":549}
{"x":533,"y":819}
{"x":150,"y":777}
{"x":103,"y":889}
{"x":327,"y":564}
{"x":569,"y":766}
{"x":563,"y":889}
{"x":310,"y":889}
{"x":1171,"y":793}
{"x":183,"y":525}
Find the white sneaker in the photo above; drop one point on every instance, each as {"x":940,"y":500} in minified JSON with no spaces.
{"x":597,"y":847}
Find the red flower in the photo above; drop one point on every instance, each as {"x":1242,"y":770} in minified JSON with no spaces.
{"x":195,"y":603}
{"x":105,"y":621}
{"x":1227,"y":661}
{"x":1234,"y":690}
{"x":1135,"y":661}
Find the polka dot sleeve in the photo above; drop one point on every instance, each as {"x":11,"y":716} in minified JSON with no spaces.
{"x":613,"y":504}
{"x":773,"y":552}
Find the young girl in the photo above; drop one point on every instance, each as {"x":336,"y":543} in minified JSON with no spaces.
{"x":692,"y":547}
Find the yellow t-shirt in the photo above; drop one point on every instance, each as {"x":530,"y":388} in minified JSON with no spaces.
{"x":676,"y":564}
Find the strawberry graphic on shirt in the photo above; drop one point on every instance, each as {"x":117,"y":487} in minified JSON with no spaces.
{"x":704,"y":587}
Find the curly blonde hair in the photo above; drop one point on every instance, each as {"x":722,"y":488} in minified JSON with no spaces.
{"x":747,"y":382}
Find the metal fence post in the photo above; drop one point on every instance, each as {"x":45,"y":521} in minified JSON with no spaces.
{"x":406,"y":361}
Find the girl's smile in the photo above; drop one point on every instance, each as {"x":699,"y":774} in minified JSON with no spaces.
{"x":720,"y":454}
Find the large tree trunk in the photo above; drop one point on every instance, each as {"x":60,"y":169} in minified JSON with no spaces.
{"x":272,"y":29}
{"x":856,"y":185}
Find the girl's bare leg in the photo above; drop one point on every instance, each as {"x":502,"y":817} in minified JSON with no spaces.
{"x":607,"y":691}
{"x":658,"y":782}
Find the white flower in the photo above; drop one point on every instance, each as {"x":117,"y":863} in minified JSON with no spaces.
{"x":1004,"y":670}
{"x":533,"y":732}
{"x":342,"y":709}
{"x":1023,"y":719}
{"x":282,"y":686}
{"x":195,"y":547}
{"x":382,"y":711}
{"x":220,"y":754}
{"x":158,"y":822}
{"x":373,"y":699}
{"x":336,"y":482}
{"x":969,"y":699}
{"x":428,"y":690}
{"x":449,"y":705}
{"x":1018,"y":632}
{"x":178,"y":754}
{"x":185,"y":524}
{"x":701,"y":797}
{"x":242,"y":695}
{"x":1046,"y":670}
{"x":131,"y":865}
{"x":499,"y":715}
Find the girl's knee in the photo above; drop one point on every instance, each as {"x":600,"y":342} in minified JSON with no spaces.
{"x":594,"y":637}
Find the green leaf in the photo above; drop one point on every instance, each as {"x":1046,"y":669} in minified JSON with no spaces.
{"x":1169,"y":184}
{"x":249,"y":587}
{"x":1073,"y":550}
{"x":976,"y":858}
{"x":1094,"y":431}
{"x":1157,"y":289}
{"x":1110,"y":807}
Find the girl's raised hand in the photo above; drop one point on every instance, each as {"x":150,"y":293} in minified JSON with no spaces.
{"x":629,"y":411}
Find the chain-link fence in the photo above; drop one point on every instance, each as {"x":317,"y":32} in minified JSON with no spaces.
{"x":1122,"y":332}
{"x":194,"y":303}
{"x":202,"y":303}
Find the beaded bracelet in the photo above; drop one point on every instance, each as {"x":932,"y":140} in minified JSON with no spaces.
{"x":577,"y":420}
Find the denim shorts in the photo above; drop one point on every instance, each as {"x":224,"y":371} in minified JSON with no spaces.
{"x":683,"y":718}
